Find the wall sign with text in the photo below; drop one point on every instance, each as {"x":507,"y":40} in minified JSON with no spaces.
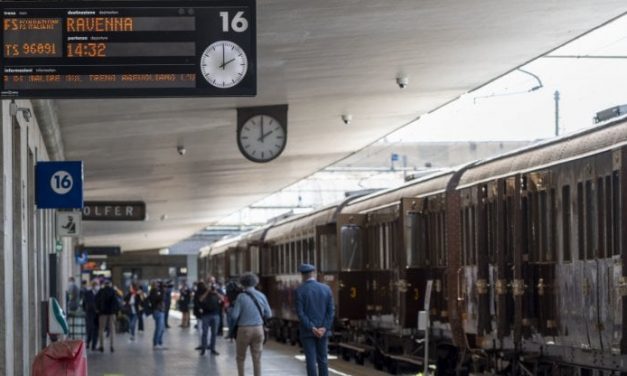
{"x":114,"y":211}
{"x":128,"y":49}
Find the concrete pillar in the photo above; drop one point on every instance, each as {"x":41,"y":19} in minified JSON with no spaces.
{"x":6,"y":279}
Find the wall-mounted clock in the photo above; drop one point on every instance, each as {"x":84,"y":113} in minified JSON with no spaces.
{"x":223,"y":64}
{"x":262,"y":132}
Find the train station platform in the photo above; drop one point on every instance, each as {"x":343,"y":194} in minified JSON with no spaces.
{"x":179,"y":358}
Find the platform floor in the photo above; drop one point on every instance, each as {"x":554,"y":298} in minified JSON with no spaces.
{"x":139,"y":359}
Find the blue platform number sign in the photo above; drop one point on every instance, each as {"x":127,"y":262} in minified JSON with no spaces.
{"x":59,"y":185}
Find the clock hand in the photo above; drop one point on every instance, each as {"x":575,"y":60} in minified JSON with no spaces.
{"x":222,"y":66}
{"x":227,"y":63}
{"x":261,"y":137}
{"x":264,"y":136}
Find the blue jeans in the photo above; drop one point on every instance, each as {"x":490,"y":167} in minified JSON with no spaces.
{"x":159,"y":317}
{"x":209,"y":321}
{"x":132,"y":321}
{"x":316,"y":352}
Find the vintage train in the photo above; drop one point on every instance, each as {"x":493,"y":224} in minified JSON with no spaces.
{"x":525,"y":253}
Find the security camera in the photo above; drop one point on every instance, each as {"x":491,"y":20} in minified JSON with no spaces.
{"x":347,"y":118}
{"x":402,"y":81}
{"x":181,"y":150}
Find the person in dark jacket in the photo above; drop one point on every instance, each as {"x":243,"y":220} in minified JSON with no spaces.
{"x":184,"y":300}
{"x":107,"y":306}
{"x":210,"y":304}
{"x":315,"y":309}
{"x":156,"y":301}
{"x":91,"y":315}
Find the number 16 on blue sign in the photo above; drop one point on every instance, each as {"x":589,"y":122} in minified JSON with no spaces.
{"x":59,"y":185}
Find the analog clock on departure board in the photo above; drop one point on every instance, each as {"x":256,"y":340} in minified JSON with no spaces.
{"x":224,"y":64}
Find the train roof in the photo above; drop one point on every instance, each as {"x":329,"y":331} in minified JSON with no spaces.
{"x":426,"y":185}
{"x":307,"y":221}
{"x":549,"y":152}
{"x":221,"y":246}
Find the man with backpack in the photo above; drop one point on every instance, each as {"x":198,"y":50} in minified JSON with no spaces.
{"x":107,"y":306}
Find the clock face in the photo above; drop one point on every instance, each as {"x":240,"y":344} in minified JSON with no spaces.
{"x":261,"y":138}
{"x":223,"y":64}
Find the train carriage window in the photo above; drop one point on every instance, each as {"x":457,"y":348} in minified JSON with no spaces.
{"x":232,"y":263}
{"x":411,"y":231}
{"x":580,"y":222}
{"x":465,"y":236}
{"x":590,"y":229}
{"x":352,"y":247}
{"x":616,"y":205}
{"x":609,"y":223}
{"x":552,"y":227}
{"x":254,"y":259}
{"x":328,"y":252}
{"x":491,"y":221}
{"x":566,"y":223}
{"x":507,"y":224}
{"x":600,"y":216}
{"x":443,"y":249}
{"x":298,"y":257}
{"x":282,"y":258}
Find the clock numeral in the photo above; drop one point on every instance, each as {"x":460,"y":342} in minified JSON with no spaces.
{"x":238,"y":23}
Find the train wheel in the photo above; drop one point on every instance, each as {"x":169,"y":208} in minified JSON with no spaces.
{"x":392,"y":366}
{"x":378,"y":360}
{"x":346,"y":355}
{"x":359,"y":359}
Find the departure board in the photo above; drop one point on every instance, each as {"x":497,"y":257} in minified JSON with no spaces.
{"x":112,"y":49}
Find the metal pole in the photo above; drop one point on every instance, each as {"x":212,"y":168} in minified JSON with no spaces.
{"x":556,"y":96}
{"x":426,"y":370}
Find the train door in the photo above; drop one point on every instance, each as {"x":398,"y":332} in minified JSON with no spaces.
{"x":467,"y":272}
{"x":504,"y":276}
{"x":412,"y":284}
{"x":587,"y":274}
{"x":609,"y":265}
{"x":383,"y":233}
{"x":328,"y":256}
{"x":352,"y":286}
{"x":482,"y":281}
{"x":541,"y":244}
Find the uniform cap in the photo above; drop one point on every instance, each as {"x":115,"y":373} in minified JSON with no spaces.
{"x":306,"y":268}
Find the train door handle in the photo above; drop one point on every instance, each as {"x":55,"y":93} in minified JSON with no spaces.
{"x":541,"y":286}
{"x":460,"y":295}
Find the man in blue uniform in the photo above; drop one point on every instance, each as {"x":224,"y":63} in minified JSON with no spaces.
{"x":314,"y":305}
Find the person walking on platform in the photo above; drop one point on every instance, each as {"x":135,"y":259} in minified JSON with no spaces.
{"x":72,"y":296}
{"x":167,"y":301}
{"x":133,"y":304}
{"x":107,"y":305}
{"x":250,"y":312}
{"x":183,"y":303}
{"x":315,"y":309}
{"x":141,"y":294}
{"x":209,"y":302}
{"x":155,"y":299}
{"x":91,"y":315}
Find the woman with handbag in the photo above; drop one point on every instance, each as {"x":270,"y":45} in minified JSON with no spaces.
{"x":250,"y":312}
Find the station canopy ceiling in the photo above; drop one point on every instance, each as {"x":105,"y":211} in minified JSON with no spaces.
{"x":323,"y":58}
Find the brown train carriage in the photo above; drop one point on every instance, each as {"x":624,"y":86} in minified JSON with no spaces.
{"x":288,"y":244}
{"x":400,"y":235}
{"x":221,"y":259}
{"x":540,"y":261}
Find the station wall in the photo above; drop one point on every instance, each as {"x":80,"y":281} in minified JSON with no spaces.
{"x":28,"y":258}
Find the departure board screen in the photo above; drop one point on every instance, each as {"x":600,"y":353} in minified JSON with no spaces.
{"x":112,"y":49}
